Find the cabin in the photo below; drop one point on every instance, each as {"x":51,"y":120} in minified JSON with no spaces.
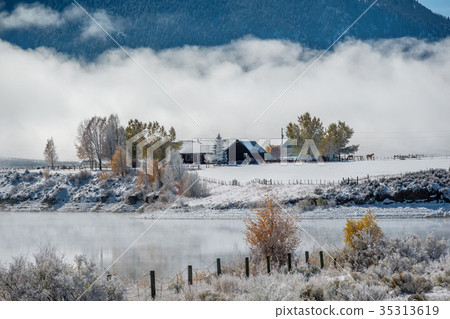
{"x":245,"y":152}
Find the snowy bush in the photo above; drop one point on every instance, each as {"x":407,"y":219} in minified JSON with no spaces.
{"x":435,"y":248}
{"x":80,"y":177}
{"x":173,"y":171}
{"x":30,"y":177}
{"x":307,"y":282}
{"x":318,"y":191}
{"x":167,"y":195}
{"x":50,"y":278}
{"x":429,"y":185}
{"x":442,"y":278}
{"x":407,"y":282}
{"x":191,"y":186}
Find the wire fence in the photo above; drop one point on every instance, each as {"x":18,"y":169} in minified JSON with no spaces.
{"x":312,"y":182}
{"x":189,"y":277}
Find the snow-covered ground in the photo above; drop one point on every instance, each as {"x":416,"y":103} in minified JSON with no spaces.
{"x":424,"y":194}
{"x":334,"y":171}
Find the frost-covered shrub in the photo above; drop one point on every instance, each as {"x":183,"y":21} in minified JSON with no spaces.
{"x":30,"y":177}
{"x":191,"y":186}
{"x":14,"y":177}
{"x":173,"y":171}
{"x":306,"y":204}
{"x":442,"y":278}
{"x":409,"y":283}
{"x":365,"y":252}
{"x":80,"y":177}
{"x":166,"y":195}
{"x":435,"y":248}
{"x":403,"y":253}
{"x":50,"y":278}
{"x":318,"y":191}
{"x":226,"y":284}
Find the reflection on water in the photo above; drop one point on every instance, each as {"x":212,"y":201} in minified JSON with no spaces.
{"x":170,"y":245}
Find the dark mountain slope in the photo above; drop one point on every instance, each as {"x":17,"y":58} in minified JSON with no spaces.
{"x":169,"y":23}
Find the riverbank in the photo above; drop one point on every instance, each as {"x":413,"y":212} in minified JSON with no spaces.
{"x":411,"y":195}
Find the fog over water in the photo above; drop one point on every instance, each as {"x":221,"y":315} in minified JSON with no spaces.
{"x":170,"y":245}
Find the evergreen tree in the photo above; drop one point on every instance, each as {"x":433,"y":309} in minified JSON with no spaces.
{"x":219,"y":152}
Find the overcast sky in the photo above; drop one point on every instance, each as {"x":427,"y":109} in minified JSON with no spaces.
{"x":396,"y":99}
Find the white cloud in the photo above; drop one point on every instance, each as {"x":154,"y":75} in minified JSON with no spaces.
{"x":394,"y":93}
{"x":92,"y":29}
{"x":30,"y":15}
{"x":38,"y":15}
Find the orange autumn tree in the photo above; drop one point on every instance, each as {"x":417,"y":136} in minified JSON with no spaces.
{"x":271,"y":232}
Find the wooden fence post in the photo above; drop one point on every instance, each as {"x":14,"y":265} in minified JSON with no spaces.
{"x":153,"y":284}
{"x":289,"y":262}
{"x":268,"y":264}
{"x":219,"y":269}
{"x":307,"y":257}
{"x":321,"y":260}
{"x":190,"y":275}
{"x":247,"y":267}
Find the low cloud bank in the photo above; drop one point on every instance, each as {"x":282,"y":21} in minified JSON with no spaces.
{"x":394,"y":93}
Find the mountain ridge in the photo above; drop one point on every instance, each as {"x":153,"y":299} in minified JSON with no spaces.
{"x":170,"y":23}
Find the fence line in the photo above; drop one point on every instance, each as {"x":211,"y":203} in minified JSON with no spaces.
{"x":316,"y":182}
{"x":146,"y":288}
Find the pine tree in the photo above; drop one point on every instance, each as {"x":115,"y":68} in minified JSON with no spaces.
{"x":219,"y":153}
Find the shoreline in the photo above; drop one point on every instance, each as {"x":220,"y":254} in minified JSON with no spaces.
{"x":419,"y":194}
{"x":398,"y":211}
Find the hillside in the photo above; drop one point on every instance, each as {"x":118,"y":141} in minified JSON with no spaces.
{"x":167,"y":24}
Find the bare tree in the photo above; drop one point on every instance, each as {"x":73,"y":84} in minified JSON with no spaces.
{"x":84,"y":148}
{"x":96,"y":135}
{"x":50,"y":154}
{"x":90,"y":141}
{"x":115,"y":136}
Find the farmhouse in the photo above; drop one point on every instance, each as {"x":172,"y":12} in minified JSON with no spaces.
{"x":245,"y":152}
{"x":194,"y":151}
{"x":237,"y":151}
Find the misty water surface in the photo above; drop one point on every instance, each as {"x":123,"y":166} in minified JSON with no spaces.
{"x":170,"y":245}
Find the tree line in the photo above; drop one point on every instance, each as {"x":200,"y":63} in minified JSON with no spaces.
{"x":102,"y":139}
{"x":331,"y":141}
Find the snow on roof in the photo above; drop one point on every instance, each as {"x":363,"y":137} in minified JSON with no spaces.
{"x":252,"y":146}
{"x":200,"y":145}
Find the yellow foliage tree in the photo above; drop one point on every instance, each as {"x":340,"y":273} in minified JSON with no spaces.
{"x":119,"y":162}
{"x":356,"y":228}
{"x":271,"y":232}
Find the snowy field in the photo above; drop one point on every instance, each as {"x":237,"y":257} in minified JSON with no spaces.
{"x":327,"y":172}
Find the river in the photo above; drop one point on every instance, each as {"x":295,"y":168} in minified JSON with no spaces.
{"x":170,"y":244}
